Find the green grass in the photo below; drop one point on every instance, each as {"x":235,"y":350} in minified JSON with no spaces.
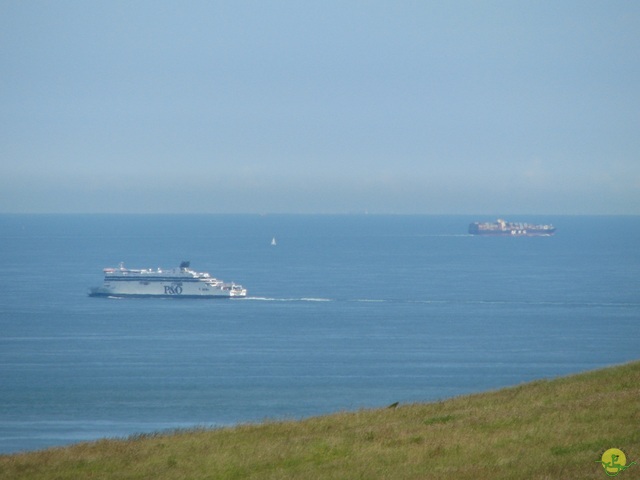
{"x":554,"y":429}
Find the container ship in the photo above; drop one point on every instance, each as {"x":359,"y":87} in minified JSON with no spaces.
{"x":511,"y":229}
{"x":179,"y":282}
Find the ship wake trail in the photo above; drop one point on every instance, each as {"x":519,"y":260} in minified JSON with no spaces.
{"x":304,"y":299}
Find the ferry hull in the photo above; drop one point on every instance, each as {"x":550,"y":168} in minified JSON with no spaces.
{"x":164,"y":290}
{"x":151,"y":295}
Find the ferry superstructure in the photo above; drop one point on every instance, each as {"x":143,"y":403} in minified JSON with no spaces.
{"x":179,"y":282}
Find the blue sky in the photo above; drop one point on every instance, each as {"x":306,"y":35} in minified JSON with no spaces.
{"x":478,"y":107}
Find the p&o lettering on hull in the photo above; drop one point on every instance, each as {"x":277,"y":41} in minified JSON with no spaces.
{"x":172,"y":290}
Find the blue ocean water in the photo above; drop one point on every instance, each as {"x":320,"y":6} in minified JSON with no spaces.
{"x":346,"y":312}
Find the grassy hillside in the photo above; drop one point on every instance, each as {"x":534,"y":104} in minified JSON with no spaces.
{"x":541,"y":430}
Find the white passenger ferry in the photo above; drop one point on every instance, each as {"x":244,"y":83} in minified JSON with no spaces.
{"x":179,"y":282}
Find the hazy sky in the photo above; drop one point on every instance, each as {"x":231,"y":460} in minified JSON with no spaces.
{"x":479,"y":107}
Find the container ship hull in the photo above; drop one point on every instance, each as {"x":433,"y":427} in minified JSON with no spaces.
{"x":502,"y":228}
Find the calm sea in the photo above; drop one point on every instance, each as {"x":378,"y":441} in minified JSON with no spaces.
{"x":345,"y":312}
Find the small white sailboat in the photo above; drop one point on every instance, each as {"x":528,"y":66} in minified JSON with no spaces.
{"x":273,"y":242}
